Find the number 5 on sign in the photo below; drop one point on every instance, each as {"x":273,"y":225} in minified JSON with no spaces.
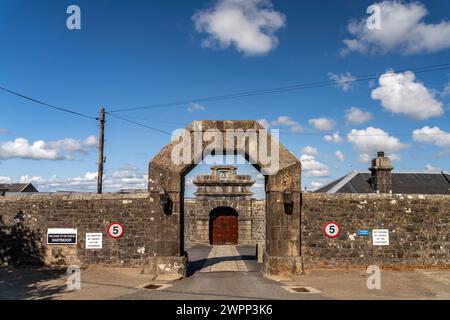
{"x":115,"y":230}
{"x":332,"y":229}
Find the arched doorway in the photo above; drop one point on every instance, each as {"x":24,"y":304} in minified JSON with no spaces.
{"x":223,"y":226}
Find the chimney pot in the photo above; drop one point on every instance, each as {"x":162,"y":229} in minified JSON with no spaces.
{"x":381,"y":173}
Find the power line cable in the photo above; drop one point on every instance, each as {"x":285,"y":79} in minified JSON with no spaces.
{"x":139,"y":124}
{"x":285,"y":88}
{"x":157,"y":121}
{"x":47,"y":104}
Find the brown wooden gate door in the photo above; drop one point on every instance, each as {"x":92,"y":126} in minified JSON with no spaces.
{"x":225,"y":230}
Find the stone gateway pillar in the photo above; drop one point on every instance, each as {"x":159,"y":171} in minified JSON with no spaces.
{"x":283,"y":189}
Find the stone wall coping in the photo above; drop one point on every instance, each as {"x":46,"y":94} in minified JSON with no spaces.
{"x":73,"y":197}
{"x":362,"y":196}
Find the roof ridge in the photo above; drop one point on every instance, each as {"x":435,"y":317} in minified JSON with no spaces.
{"x":421,"y":172}
{"x":344,"y":181}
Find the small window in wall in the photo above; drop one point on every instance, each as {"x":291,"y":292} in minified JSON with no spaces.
{"x":223,"y":175}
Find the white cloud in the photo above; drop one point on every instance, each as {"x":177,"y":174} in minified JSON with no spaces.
{"x":322,"y":124}
{"x":335,"y":137}
{"x":339,"y":156}
{"x":430,"y":169}
{"x":357,"y":116}
{"x":41,"y":150}
{"x":314,"y":185}
{"x":70,"y":145}
{"x":5,"y":180}
{"x":310,"y":151}
{"x":345,"y":81}
{"x":445,"y":93}
{"x":432,"y":135}
{"x":401,"y":93}
{"x":285,"y":121}
{"x":124,"y":178}
{"x":21,"y":148}
{"x":264,"y":122}
{"x":402,"y":30}
{"x":248,"y":25}
{"x":313,"y":168}
{"x":195,"y":107}
{"x":368,"y":141}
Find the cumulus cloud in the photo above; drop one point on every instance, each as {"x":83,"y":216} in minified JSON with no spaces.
{"x":283,"y":121}
{"x":401,"y":93}
{"x":368,"y":141}
{"x":310,"y":151}
{"x":313,"y":168}
{"x":71,"y":146}
{"x":195,"y":107}
{"x":41,"y":150}
{"x":124,"y":178}
{"x":345,"y":81}
{"x":335,"y":137}
{"x":322,"y":124}
{"x":5,"y":179}
{"x":249,"y":25}
{"x":339,"y":156}
{"x":357,"y":116}
{"x":432,"y":135}
{"x":403,"y":30}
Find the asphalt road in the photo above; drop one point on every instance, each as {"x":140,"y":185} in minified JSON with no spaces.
{"x":221,"y":285}
{"x":129,"y":283}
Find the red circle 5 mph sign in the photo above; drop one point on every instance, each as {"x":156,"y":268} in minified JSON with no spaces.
{"x":332,"y":229}
{"x":115,"y":230}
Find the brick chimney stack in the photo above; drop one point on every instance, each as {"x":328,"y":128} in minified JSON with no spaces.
{"x":381,"y":173}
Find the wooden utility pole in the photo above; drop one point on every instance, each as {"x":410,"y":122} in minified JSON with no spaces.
{"x":101,"y":159}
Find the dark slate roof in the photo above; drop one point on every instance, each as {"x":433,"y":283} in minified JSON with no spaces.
{"x":402,"y":182}
{"x":18,"y":187}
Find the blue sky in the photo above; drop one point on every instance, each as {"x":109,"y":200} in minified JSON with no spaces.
{"x":137,"y":53}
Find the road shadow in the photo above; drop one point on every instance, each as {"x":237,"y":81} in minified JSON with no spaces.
{"x":35,"y":283}
{"x":22,"y":271}
{"x":198,"y":258}
{"x":19,"y":245}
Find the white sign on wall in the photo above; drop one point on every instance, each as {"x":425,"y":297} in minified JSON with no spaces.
{"x":94,"y":240}
{"x":380,"y":237}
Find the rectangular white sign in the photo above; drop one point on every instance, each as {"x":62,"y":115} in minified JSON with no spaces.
{"x":94,"y":240}
{"x":61,"y":236}
{"x":380,"y":237}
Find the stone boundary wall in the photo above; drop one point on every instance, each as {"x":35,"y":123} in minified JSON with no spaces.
{"x":419,"y":229}
{"x":24,"y":221}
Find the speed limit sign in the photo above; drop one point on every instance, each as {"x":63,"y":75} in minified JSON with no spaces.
{"x":332,"y":229}
{"x":115,"y":230}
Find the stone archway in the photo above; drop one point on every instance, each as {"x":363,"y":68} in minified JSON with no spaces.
{"x":166,"y":186}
